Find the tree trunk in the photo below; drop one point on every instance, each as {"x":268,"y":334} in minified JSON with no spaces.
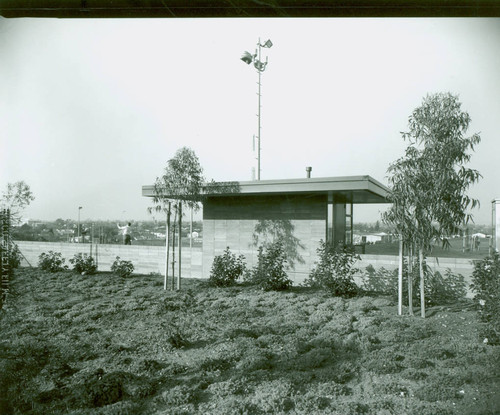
{"x":410,"y":279}
{"x":422,"y":290}
{"x":167,"y":246}
{"x":173,"y":254}
{"x":400,"y":278}
{"x":180,"y":245}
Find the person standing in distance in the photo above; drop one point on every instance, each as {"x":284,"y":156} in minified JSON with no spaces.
{"x":126,"y":232}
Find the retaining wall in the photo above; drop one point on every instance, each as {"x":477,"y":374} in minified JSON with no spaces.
{"x":147,"y":259}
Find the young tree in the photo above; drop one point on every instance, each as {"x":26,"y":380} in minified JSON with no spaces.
{"x":181,"y":184}
{"x":429,"y":184}
{"x":16,"y":197}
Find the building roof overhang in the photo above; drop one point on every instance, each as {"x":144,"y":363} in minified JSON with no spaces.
{"x":351,"y":189}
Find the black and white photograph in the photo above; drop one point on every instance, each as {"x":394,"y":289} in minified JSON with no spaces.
{"x":247,"y":208}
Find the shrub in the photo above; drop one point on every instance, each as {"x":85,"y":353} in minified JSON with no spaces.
{"x":51,"y":261}
{"x":269,"y":274}
{"x":122,"y":268}
{"x":334,"y":272}
{"x":14,"y":257}
{"x":444,"y":289}
{"x":83,"y":264}
{"x":486,"y":285}
{"x":226,"y":269}
{"x":439,"y":288}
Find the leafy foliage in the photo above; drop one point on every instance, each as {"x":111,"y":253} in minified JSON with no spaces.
{"x":51,"y":261}
{"x":267,"y":231}
{"x":226,"y":269}
{"x":447,"y":288}
{"x":486,"y":285}
{"x":334,"y":271}
{"x":16,"y":197}
{"x":14,"y":257}
{"x":83,"y":264}
{"x":122,"y":268}
{"x":428,"y":185}
{"x":269,"y":273}
{"x":182,"y":180}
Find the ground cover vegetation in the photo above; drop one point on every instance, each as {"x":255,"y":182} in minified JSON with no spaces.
{"x":105,"y":344}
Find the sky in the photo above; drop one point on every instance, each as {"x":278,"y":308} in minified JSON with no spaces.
{"x":92,"y":109}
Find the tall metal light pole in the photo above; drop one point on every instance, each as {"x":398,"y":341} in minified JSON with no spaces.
{"x":261,"y":67}
{"x":79,"y":208}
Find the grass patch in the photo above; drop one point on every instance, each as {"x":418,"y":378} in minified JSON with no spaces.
{"x":101,"y":344}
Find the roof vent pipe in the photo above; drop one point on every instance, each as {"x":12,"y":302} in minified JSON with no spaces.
{"x":308,"y":170}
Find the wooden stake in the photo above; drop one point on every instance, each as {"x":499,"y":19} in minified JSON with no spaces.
{"x":173,"y":255}
{"x":400,"y":278}
{"x":422,"y":286}
{"x":410,"y":279}
{"x":180,"y":245}
{"x":167,"y":245}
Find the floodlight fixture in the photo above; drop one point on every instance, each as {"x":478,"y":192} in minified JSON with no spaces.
{"x":258,"y":64}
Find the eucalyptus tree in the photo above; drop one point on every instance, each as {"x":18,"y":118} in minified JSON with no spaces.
{"x":428,"y":184}
{"x":180,"y":185}
{"x":16,"y":197}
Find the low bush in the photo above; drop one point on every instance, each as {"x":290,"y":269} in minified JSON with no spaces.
{"x":122,"y":268}
{"x":440,"y":289}
{"x":226,"y":269}
{"x":51,"y":261}
{"x":486,"y":286}
{"x":83,"y":264}
{"x":14,"y":257}
{"x":334,"y":272}
{"x":270,"y":274}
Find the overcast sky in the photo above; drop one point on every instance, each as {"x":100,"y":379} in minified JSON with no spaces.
{"x":91,"y":110}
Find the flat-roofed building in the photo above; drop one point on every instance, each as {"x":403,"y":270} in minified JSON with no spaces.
{"x":300,"y":211}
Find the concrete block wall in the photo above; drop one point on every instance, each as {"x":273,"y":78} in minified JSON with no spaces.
{"x":232,"y":222}
{"x":238,"y":236}
{"x":146,"y":259}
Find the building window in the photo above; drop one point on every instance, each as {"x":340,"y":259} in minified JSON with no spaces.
{"x":348,"y":224}
{"x":339,"y":223}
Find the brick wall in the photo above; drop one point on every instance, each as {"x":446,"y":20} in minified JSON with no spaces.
{"x":146,"y":259}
